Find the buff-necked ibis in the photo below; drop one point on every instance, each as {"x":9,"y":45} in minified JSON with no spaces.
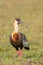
{"x":17,"y":39}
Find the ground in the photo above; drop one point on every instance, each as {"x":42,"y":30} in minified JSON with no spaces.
{"x":31,"y":12}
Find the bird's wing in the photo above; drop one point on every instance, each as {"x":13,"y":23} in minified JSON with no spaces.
{"x":25,"y":41}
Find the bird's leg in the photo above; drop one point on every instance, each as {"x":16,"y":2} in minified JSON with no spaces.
{"x":19,"y":52}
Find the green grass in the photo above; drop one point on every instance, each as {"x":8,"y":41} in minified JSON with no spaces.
{"x":31,"y":12}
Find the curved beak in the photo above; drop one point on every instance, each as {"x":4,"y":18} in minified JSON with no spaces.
{"x":23,"y":24}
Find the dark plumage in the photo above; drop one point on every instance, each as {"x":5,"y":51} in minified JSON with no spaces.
{"x":20,"y":42}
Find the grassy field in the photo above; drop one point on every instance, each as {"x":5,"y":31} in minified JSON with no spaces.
{"x":31,"y":12}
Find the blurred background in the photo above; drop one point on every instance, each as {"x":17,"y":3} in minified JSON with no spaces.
{"x":31,"y":12}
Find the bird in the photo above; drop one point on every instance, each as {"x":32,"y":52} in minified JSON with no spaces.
{"x":17,"y":39}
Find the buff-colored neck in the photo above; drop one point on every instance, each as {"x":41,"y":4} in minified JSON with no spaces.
{"x":15,"y":27}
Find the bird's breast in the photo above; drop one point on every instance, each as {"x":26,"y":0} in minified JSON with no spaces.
{"x":15,"y":37}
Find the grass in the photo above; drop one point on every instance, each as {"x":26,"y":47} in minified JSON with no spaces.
{"x":31,"y":12}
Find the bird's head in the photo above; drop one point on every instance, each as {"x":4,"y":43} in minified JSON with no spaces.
{"x":17,"y":21}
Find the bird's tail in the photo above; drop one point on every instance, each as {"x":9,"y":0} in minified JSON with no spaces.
{"x":27,"y":48}
{"x":26,"y":45}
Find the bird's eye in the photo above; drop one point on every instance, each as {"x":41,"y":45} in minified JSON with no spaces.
{"x":17,"y":23}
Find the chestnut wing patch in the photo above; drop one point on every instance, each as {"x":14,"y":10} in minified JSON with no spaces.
{"x":15,"y":37}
